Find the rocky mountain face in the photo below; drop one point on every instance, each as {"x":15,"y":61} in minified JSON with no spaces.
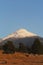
{"x":21,"y":36}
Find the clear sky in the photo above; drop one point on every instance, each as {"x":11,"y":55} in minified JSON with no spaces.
{"x":17,"y":14}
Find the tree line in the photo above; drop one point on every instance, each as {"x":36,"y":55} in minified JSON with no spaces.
{"x":37,"y":48}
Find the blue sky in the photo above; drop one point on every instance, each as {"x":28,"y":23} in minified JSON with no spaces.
{"x":17,"y":14}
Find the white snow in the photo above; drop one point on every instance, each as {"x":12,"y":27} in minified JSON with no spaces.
{"x":21,"y":33}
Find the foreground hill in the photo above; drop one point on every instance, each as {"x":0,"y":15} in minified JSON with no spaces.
{"x":20,"y":59}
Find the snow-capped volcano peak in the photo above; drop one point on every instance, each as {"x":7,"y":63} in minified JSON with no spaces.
{"x":24,"y":32}
{"x":21,"y":33}
{"x":21,"y":36}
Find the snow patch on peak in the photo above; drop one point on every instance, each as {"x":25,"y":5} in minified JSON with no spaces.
{"x":21,"y":33}
{"x":24,"y":32}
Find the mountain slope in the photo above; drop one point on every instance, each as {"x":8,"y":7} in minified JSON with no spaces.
{"x":21,"y":36}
